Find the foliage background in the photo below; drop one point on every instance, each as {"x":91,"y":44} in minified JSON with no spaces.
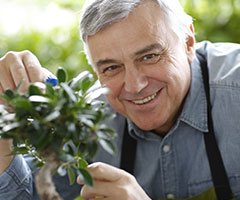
{"x":215,"y":20}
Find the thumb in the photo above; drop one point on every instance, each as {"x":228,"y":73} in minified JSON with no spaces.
{"x":105,"y":172}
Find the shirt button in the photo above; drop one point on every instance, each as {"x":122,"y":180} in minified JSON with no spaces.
{"x":166,"y":148}
{"x":170,"y":196}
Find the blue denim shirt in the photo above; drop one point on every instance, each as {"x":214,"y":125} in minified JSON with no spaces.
{"x":175,"y":166}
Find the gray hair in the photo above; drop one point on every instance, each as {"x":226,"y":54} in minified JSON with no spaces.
{"x":98,"y":14}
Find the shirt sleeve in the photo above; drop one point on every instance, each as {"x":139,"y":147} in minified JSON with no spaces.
{"x":16,"y":181}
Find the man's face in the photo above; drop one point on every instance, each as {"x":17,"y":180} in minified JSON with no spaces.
{"x":145,"y":66}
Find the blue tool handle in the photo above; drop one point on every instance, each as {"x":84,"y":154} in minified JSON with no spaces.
{"x":52,"y":80}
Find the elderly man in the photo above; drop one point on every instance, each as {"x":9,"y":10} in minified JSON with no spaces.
{"x":177,"y":111}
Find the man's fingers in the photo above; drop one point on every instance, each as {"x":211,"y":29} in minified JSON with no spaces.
{"x":13,"y":72}
{"x":105,"y":172}
{"x":21,"y":68}
{"x":6,"y":78}
{"x":99,"y":190}
{"x":19,"y":75}
{"x":102,"y":171}
{"x":33,"y":67}
{"x":46,"y":74}
{"x":1,"y":91}
{"x":111,"y":183}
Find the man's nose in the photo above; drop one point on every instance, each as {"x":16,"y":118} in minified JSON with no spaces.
{"x":135,"y":80}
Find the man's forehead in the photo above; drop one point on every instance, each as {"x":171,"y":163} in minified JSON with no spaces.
{"x":147,"y":13}
{"x":145,"y":9}
{"x":139,"y":30}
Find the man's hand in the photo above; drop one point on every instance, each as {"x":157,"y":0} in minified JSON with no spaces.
{"x":20,"y":67}
{"x":111,"y":183}
{"x":5,"y":154}
{"x":17,"y":67}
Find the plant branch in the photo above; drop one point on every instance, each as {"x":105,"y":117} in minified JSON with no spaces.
{"x":44,"y":182}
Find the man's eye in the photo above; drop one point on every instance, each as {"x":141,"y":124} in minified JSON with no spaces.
{"x":111,"y":70}
{"x":150,"y":58}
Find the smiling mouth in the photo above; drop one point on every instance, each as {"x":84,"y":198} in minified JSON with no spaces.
{"x":145,"y":100}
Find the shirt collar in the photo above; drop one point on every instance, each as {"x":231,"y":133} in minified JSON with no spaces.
{"x":138,"y":133}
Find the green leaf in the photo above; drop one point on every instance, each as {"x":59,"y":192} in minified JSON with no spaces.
{"x":86,"y":177}
{"x":21,"y":150}
{"x":34,"y":90}
{"x":37,"y":161}
{"x":86,"y":84}
{"x":9,"y":94}
{"x":87,"y":122}
{"x":49,"y":90}
{"x":107,"y":146}
{"x":71,"y":127}
{"x":78,"y":198}
{"x":11,"y":126}
{"x":82,"y":163}
{"x":69,"y":147}
{"x":22,"y":106}
{"x":52,"y":116}
{"x":83,"y":75}
{"x":92,"y":148}
{"x":39,"y":99}
{"x":8,"y":117}
{"x":92,"y":95}
{"x":71,"y":175}
{"x":69,"y":91}
{"x":102,"y":135}
{"x":61,"y":75}
{"x":62,"y":171}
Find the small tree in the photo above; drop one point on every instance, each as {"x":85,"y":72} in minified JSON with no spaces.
{"x":60,"y":127}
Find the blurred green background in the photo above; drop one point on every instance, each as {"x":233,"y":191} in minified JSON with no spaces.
{"x":50,"y":29}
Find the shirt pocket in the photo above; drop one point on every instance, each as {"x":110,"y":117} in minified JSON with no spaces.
{"x":197,"y":187}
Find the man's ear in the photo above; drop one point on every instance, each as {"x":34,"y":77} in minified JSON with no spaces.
{"x":190,"y":42}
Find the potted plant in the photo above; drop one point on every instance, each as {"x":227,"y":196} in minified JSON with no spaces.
{"x":60,"y":127}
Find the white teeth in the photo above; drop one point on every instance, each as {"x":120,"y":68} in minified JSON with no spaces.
{"x":145,"y":100}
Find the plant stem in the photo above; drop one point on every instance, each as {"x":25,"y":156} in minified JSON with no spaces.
{"x":44,"y":183}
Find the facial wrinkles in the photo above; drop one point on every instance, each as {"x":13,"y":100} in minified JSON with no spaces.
{"x":149,"y":91}
{"x":142,"y":77}
{"x":120,"y":49}
{"x":153,"y":28}
{"x":153,"y":85}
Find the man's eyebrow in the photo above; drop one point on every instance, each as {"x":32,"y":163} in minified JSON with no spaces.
{"x":148,"y":48}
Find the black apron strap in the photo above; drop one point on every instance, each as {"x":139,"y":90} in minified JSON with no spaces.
{"x":218,"y":171}
{"x":128,"y":154}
